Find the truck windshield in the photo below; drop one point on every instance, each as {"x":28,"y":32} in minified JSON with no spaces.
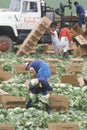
{"x":15,"y":5}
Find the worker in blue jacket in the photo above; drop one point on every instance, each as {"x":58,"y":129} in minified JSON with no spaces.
{"x":80,"y":12}
{"x":37,"y":86}
{"x":39,"y":69}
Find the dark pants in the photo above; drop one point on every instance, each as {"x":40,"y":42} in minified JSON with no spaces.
{"x":29,"y":103}
{"x":81,"y":20}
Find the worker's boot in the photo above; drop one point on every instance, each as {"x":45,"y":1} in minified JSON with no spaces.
{"x":29,"y":103}
{"x":48,"y":109}
{"x":65,"y":55}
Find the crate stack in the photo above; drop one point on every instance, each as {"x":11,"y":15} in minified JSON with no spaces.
{"x":78,"y":47}
{"x":32,"y":39}
{"x":74,"y":73}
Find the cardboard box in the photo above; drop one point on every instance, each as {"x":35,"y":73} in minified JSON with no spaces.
{"x":44,"y":22}
{"x":28,"y":47}
{"x":59,"y":102}
{"x":2,"y":92}
{"x":44,"y":47}
{"x":76,"y":30}
{"x":53,"y":68}
{"x":27,"y":60}
{"x":50,"y":60}
{"x":4,"y":76}
{"x":74,"y":68}
{"x":12,"y":101}
{"x":81,"y":40}
{"x":76,"y":60}
{"x":50,"y":47}
{"x":6,"y":127}
{"x":72,"y":79}
{"x":34,"y":36}
{"x":19,"y":68}
{"x":63,"y":126}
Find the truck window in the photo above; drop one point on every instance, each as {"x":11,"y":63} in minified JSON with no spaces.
{"x":15,"y":5}
{"x":29,"y":6}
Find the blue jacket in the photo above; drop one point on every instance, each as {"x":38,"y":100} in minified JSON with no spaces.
{"x":43,"y":87}
{"x":80,"y":10}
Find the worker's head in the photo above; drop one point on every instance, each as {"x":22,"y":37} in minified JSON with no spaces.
{"x":53,"y":26}
{"x":27,"y":65}
{"x":33,"y":83}
{"x":76,"y":3}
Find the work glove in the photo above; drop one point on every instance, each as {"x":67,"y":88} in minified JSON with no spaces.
{"x":31,"y":95}
{"x":47,"y":96}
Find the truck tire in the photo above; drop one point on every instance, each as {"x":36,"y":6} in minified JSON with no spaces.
{"x":6,"y":44}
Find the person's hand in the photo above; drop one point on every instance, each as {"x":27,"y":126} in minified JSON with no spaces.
{"x":31,"y":95}
{"x":47,"y":96}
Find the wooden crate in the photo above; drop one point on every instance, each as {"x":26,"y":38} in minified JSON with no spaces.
{"x":4,"y":76}
{"x":12,"y":101}
{"x":59,"y":102}
{"x":6,"y":127}
{"x":74,"y":68}
{"x":72,"y":79}
{"x":63,"y":126}
{"x":20,"y":68}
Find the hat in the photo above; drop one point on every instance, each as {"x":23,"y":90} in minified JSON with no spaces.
{"x":34,"y":82}
{"x":26,"y":65}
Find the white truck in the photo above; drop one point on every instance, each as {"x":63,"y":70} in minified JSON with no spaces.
{"x":17,"y":22}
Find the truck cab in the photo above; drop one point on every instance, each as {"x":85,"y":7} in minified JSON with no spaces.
{"x":17,"y":22}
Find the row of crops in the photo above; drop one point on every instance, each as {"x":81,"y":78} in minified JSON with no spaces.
{"x":36,"y":118}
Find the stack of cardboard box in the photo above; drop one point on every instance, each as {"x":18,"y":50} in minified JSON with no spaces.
{"x":29,"y":43}
{"x":79,"y":44}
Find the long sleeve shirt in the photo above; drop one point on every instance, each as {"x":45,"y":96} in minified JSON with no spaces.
{"x":65,"y":32}
{"x":41,"y":87}
{"x":80,"y":10}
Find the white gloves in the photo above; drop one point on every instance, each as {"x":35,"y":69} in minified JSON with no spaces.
{"x":31,"y":95}
{"x":47,"y":96}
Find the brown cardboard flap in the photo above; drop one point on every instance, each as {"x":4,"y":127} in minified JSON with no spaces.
{"x":4,"y":76}
{"x":53,"y":68}
{"x":50,"y":60}
{"x":27,"y":60}
{"x":77,"y":29}
{"x":12,"y":101}
{"x":77,"y":60}
{"x":63,"y":126}
{"x":19,"y":68}
{"x":81,"y":40}
{"x":2,"y":92}
{"x":74,"y":68}
{"x":72,"y":79}
{"x":6,"y":127}
{"x":59,"y":102}
{"x":5,"y":99}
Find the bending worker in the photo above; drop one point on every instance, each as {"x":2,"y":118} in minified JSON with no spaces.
{"x":39,"y":69}
{"x":37,"y":86}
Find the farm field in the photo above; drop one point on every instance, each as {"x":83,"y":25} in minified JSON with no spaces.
{"x":36,"y":118}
